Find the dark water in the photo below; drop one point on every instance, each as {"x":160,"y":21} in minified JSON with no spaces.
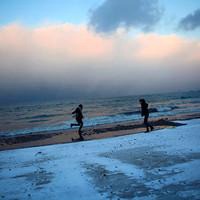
{"x":29,"y":118}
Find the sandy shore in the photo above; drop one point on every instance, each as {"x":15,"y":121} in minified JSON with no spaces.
{"x":90,"y":133}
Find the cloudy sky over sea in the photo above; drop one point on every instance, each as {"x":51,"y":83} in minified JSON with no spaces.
{"x":57,"y":49}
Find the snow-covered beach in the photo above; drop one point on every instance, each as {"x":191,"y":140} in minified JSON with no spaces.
{"x":163,"y":164}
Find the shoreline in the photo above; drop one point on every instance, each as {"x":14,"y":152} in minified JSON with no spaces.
{"x":91,"y":133}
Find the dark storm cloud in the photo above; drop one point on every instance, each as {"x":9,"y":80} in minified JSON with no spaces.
{"x":112,"y":14}
{"x":191,"y":21}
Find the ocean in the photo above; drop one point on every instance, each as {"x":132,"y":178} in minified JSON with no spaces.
{"x":56,"y":115}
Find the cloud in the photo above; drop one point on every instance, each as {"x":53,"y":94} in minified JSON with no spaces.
{"x":191,"y":21}
{"x":66,"y":60}
{"x":113,"y":14}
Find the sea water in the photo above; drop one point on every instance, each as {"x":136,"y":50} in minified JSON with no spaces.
{"x":56,"y":116}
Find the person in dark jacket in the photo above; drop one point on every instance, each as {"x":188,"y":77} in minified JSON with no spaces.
{"x":79,"y":119}
{"x":145,"y":113}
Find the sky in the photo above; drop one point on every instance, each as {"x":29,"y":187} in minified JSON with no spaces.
{"x":97,"y":48}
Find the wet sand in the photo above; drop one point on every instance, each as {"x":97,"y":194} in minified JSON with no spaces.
{"x":90,"y":133}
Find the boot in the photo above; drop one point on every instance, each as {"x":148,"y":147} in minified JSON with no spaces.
{"x":147,"y":130}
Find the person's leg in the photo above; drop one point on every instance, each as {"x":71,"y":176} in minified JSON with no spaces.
{"x":79,"y":131}
{"x":151,"y":127}
{"x":146,"y":122}
{"x":74,"y":125}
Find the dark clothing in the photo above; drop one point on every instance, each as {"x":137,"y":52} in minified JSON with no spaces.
{"x":145,"y":110}
{"x":145,"y":113}
{"x":79,"y":119}
{"x":146,"y":119}
{"x":146,"y":123}
{"x":79,"y":115}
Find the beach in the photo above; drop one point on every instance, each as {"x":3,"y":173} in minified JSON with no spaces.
{"x":99,"y":100}
{"x":89,"y":133}
{"x":162,"y":164}
{"x":116,"y":160}
{"x":46,"y":123}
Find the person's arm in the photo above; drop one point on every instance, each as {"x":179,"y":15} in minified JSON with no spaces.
{"x":74,"y":111}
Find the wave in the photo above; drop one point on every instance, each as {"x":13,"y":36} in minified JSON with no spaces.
{"x":152,"y":110}
{"x":167,"y":108}
{"x":130,"y":113}
{"x":37,"y":121}
{"x":117,"y":118}
{"x":40,"y":116}
{"x":34,"y":130}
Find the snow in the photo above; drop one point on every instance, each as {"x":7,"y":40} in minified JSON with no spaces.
{"x":156,"y":165}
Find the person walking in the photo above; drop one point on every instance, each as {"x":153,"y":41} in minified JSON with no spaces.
{"x":145,"y":113}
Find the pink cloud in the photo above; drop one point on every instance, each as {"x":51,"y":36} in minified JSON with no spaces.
{"x":77,"y":42}
{"x":72,"y":41}
{"x":157,"y":47}
{"x":57,"y":53}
